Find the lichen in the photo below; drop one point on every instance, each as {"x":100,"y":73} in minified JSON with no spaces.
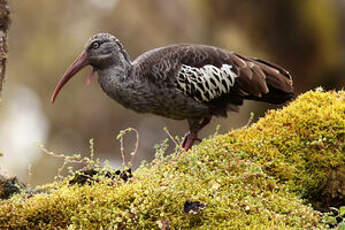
{"x":250,"y":178}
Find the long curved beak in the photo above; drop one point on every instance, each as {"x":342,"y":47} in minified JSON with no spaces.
{"x":80,"y":62}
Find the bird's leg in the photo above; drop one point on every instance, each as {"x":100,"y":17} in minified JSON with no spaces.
{"x":195,"y":126}
{"x":189,"y":140}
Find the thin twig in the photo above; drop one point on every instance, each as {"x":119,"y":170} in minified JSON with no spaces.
{"x":92,"y":149}
{"x":122,"y":153}
{"x":136,"y":146}
{"x":62,"y":168}
{"x":173,"y":139}
{"x":73,"y":159}
{"x":67,"y":159}
{"x":250,"y":120}
{"x":120,"y":138}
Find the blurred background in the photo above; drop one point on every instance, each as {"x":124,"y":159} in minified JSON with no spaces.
{"x":306,"y":37}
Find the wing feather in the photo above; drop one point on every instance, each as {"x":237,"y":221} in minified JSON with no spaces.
{"x":207,"y":73}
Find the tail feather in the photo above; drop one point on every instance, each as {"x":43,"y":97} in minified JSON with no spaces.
{"x":269,"y":82}
{"x":256,"y":79}
{"x":275,"y":96}
{"x":276,"y":76}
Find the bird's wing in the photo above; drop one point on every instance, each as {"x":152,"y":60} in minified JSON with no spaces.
{"x":206,"y":73}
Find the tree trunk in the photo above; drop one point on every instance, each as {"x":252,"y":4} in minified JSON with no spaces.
{"x":4,"y":25}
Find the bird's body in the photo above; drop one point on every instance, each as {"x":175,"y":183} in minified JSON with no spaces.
{"x":182,"y":81}
{"x":151,"y":87}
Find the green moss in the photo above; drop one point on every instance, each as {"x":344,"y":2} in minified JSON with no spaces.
{"x":301,"y":144}
{"x":248,"y":179}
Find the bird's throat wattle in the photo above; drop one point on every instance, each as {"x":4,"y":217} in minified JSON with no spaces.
{"x":90,"y":77}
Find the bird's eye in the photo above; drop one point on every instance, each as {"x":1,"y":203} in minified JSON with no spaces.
{"x":95,"y":45}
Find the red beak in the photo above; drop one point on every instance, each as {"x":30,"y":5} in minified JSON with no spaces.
{"x":79,"y":63}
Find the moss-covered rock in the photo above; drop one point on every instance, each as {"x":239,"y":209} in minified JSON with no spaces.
{"x":250,"y":178}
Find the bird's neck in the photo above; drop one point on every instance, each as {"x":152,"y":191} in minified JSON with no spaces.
{"x":116,"y":73}
{"x":114,"y":80}
{"x":115,"y":69}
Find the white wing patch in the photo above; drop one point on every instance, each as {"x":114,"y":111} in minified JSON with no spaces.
{"x":206,"y":83}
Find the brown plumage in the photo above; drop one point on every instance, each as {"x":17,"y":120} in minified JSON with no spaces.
{"x":183,"y":81}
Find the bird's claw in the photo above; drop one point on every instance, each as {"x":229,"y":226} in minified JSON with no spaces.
{"x":189,"y":140}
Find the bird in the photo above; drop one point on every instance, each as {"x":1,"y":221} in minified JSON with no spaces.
{"x":192,"y":82}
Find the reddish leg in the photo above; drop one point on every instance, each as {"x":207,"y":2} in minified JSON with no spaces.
{"x":189,"y":140}
{"x":195,"y":126}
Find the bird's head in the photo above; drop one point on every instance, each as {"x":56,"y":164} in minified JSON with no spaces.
{"x":101,"y":51}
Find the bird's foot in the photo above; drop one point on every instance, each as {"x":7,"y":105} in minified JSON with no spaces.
{"x":189,"y":140}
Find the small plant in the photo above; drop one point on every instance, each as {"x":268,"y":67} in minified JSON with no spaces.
{"x":94,"y":166}
{"x":132,"y":154}
{"x":176,"y":140}
{"x":250,"y":120}
{"x":75,"y":158}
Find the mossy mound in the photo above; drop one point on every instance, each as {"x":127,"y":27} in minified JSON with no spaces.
{"x":236,"y":193}
{"x":302,"y":145}
{"x":248,"y":179}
